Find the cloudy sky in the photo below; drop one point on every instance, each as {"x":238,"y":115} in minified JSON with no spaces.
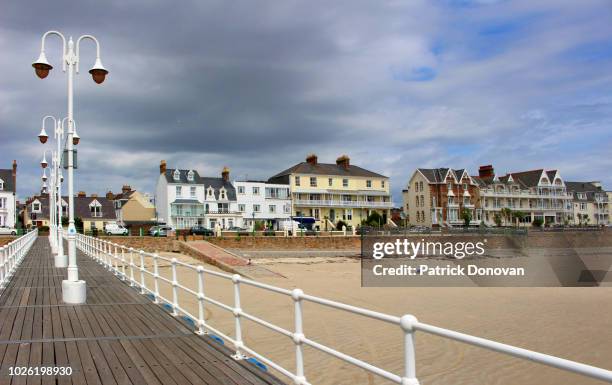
{"x":257,"y":85}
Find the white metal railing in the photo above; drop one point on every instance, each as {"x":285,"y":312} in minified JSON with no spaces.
{"x":341,"y":203}
{"x":120,"y":259}
{"x":12,"y":254}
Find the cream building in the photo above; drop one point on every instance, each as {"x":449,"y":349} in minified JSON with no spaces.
{"x":330,"y":192}
{"x":590,"y":203}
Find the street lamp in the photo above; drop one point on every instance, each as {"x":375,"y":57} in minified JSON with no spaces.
{"x":73,"y":289}
{"x":55,"y":194}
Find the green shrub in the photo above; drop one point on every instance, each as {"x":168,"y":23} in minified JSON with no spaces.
{"x":537,"y":222}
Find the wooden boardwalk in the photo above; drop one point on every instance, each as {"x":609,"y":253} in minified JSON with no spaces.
{"x":118,"y":337}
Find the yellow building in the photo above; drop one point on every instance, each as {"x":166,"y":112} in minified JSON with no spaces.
{"x":133,"y":209}
{"x":330,"y":193}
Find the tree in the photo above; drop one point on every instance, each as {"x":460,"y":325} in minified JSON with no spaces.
{"x":497,"y":219}
{"x":340,"y":225}
{"x":519,"y":216}
{"x":506,"y":213}
{"x":537,"y":222}
{"x":466,"y":215}
{"x":374,"y":219}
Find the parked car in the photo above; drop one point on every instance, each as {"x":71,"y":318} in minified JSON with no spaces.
{"x":160,"y":231}
{"x":201,"y":230}
{"x":4,"y":230}
{"x":115,"y":229}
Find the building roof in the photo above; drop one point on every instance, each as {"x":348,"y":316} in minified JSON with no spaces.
{"x":589,"y":188}
{"x":525,"y":179}
{"x":327,"y":169}
{"x":438,"y":175}
{"x":7,"y":177}
{"x":81,"y":207}
{"x":214,"y":182}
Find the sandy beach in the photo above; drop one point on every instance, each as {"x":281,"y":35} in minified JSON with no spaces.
{"x":573,"y":323}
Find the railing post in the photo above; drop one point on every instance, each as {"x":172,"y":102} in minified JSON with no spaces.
{"x":298,"y":337}
{"x":131,"y":266}
{"x":174,"y":289}
{"x":201,"y":312}
{"x":237,"y":312}
{"x":156,"y":277}
{"x":3,"y":256}
{"x":143,"y":285}
{"x":115,"y":258}
{"x":123,"y":263}
{"x":407,"y":324}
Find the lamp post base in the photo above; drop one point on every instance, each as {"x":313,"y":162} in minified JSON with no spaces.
{"x":61,"y":261}
{"x":74,"y":291}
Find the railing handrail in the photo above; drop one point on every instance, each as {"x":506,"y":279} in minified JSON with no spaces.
{"x":12,"y":254}
{"x":109,"y":254}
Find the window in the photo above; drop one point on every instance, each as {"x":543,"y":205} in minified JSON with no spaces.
{"x":420,"y":186}
{"x":36,"y":207}
{"x":192,"y":191}
{"x":417,"y":201}
{"x":176,"y":175}
{"x":240,"y":189}
{"x":272,"y":209}
{"x":255,"y":190}
{"x":1,"y":184}
{"x":256,"y":208}
{"x":190,"y":176}
{"x":368,"y":183}
{"x":313,"y":181}
{"x":449,"y":186}
{"x":416,"y":189}
{"x":222,"y":194}
{"x":382,"y":184}
{"x":179,"y":191}
{"x":210,"y":193}
{"x":465,"y":187}
{"x":287,"y":208}
{"x":95,"y":210}
{"x":241,"y":208}
{"x":297,"y":180}
{"x":349,"y":214}
{"x":422,"y":201}
{"x":330,"y":182}
{"x":345,"y":182}
{"x":583,"y":206}
{"x":581,"y":195}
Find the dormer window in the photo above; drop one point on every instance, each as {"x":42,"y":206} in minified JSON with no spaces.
{"x":176,"y":175}
{"x":36,"y":207}
{"x":210,"y":193}
{"x":222,"y":194}
{"x":95,"y":208}
{"x":190,"y":176}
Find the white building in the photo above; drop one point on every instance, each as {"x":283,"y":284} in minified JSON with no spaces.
{"x":8,"y":188}
{"x":185,"y":199}
{"x":265,"y":202}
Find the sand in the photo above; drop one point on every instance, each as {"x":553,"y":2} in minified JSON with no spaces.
{"x":573,"y":323}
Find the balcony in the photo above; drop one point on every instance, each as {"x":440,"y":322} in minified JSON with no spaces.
{"x":341,"y":203}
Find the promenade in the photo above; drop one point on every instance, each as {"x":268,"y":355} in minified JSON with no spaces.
{"x":117,"y":337}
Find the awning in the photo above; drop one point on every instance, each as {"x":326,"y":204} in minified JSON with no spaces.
{"x":304,"y":220}
{"x":186,"y":202}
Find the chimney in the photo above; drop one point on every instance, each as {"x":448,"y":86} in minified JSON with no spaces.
{"x":94,"y":195}
{"x":312,"y":159}
{"x":225,"y":174}
{"x":486,"y":171}
{"x":110,"y":196}
{"x":162,"y":167}
{"x":15,"y":176}
{"x":343,"y":161}
{"x":81,"y":194}
{"x":126,"y":188}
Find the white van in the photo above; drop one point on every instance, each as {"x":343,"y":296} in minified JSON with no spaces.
{"x":115,"y":229}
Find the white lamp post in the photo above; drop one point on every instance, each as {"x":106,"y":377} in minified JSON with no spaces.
{"x":55,"y":200}
{"x":73,"y":289}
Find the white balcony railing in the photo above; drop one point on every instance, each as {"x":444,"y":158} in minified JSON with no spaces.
{"x":341,"y":203}
{"x":142,"y":270}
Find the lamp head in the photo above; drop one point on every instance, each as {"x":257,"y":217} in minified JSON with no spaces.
{"x":43,"y":136}
{"x":98,"y":72}
{"x":75,"y":138}
{"x":42,"y":66}
{"x":43,"y":162}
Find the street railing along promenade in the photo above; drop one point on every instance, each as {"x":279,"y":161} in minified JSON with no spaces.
{"x":12,"y":254}
{"x":121,"y":260}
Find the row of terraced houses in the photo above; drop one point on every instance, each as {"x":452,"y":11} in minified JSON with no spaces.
{"x":437,"y":197}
